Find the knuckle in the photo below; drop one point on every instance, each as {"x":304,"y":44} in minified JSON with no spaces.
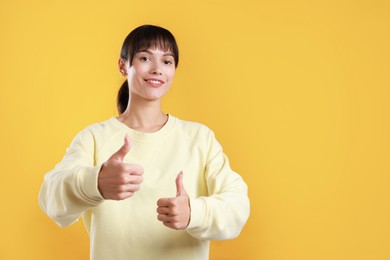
{"x":140,"y":169}
{"x":175,"y":225}
{"x":125,"y":195}
{"x":174,"y":211}
{"x":173,"y":202}
{"x":122,"y":179}
{"x":132,"y":179}
{"x":122,"y":188}
{"x":138,"y":180}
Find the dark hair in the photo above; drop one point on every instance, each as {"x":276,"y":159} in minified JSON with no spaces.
{"x":140,"y":38}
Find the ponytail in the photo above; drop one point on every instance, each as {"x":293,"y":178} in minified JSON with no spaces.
{"x":123,"y":97}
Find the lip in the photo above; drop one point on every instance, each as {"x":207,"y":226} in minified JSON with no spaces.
{"x":154,"y":82}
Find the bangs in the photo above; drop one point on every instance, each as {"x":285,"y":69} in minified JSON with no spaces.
{"x":149,"y":37}
{"x":160,"y":43}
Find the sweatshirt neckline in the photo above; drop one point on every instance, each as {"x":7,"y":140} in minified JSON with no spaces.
{"x":146,"y":137}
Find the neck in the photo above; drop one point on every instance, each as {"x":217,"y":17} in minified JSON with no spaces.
{"x":143,"y":115}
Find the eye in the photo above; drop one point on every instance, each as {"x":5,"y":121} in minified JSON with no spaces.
{"x":168,"y":62}
{"x":144,"y":58}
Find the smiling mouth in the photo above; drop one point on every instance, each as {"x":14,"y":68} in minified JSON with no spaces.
{"x":154,"y":82}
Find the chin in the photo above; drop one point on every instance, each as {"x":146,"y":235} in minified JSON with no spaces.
{"x":153,"y":97}
{"x":150,"y":95}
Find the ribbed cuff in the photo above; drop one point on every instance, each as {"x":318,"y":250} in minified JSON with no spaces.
{"x":88,"y":184}
{"x":198,"y":213}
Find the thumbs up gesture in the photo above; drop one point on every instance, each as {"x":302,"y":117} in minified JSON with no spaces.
{"x":175,"y":212}
{"x":118,"y":180}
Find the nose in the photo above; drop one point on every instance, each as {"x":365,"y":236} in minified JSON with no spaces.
{"x":156,"y":69}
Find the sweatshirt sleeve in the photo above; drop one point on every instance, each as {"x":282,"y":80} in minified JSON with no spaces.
{"x":223,"y":213}
{"x":71,"y":187}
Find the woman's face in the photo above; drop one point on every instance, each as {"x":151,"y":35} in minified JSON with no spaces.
{"x":151,"y":73}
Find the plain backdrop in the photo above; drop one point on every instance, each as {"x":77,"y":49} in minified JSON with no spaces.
{"x":297,"y":93}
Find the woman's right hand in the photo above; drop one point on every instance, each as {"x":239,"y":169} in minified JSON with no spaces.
{"x":118,"y":180}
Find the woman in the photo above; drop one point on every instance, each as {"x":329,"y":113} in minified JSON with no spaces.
{"x":148,"y":185}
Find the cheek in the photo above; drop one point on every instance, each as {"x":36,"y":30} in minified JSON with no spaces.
{"x":135,"y":74}
{"x":171,"y":74}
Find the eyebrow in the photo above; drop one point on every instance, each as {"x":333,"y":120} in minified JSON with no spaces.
{"x":151,"y":53}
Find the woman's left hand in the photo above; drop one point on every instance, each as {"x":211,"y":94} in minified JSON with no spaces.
{"x":175,"y":212}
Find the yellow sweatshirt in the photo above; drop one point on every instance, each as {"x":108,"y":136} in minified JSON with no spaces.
{"x":129,"y":229}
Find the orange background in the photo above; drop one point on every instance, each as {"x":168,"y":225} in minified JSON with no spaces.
{"x":297,"y":92}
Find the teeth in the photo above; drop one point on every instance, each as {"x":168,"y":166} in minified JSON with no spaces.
{"x":154,"y":81}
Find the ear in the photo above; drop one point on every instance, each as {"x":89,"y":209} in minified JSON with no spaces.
{"x":122,"y":67}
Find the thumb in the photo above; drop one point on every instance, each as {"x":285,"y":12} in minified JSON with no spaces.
{"x":179,"y":185}
{"x":121,"y":153}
